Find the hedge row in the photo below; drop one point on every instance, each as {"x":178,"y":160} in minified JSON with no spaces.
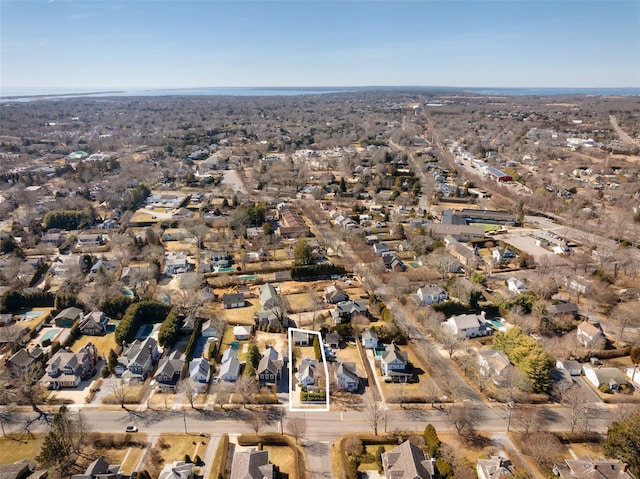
{"x":169,"y":330}
{"x":316,"y":271}
{"x":12,"y":301}
{"x":147,"y":311}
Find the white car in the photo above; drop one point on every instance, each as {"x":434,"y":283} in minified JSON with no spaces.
{"x":132,"y":429}
{"x":215,"y":380}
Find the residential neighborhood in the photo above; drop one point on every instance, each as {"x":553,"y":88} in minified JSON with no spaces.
{"x":396,"y":302}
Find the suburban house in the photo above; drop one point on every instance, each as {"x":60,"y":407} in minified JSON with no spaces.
{"x":177,"y":470}
{"x":291,"y":224}
{"x":137,"y":359}
{"x":210,"y":329}
{"x":612,"y":377}
{"x":392,"y":262}
{"x":68,"y":317}
{"x":252,"y":464}
{"x":66,"y":369}
{"x":590,"y":336}
{"x":230,"y":369}
{"x":307,"y":372}
{"x":256,"y":256}
{"x":269,"y":368}
{"x":468,"y":325}
{"x":345,"y":310}
{"x":268,"y":296}
{"x":408,"y":461}
{"x":573,"y":368}
{"x":199,"y":374}
{"x":563,"y":308}
{"x":22,"y":469}
{"x":168,"y":372}
{"x":394,"y":364}
{"x":242,"y":333}
{"x":332,"y":340}
{"x":381,"y":248}
{"x":334,"y":294}
{"x":219,"y":259}
{"x":100,"y":469}
{"x":21,"y":361}
{"x":346,"y":377}
{"x":90,"y":240}
{"x":494,"y":365}
{"x":369,"y":339}
{"x":94,"y":324}
{"x":235,"y":300}
{"x":516,"y":285}
{"x":460,"y":251}
{"x":176,"y":262}
{"x":495,"y":468}
{"x":431,"y":294}
{"x":633,"y":373}
{"x":502,"y":255}
{"x":587,"y":468}
{"x":301,"y":338}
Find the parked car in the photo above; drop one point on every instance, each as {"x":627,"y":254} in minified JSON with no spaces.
{"x":215,"y":380}
{"x":132,"y":429}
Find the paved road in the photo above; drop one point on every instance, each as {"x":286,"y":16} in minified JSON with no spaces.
{"x":623,"y":135}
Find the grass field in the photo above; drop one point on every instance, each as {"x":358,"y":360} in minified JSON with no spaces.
{"x":102,"y":343}
{"x":18,"y":447}
{"x":283,"y":457}
{"x":239,"y":315}
{"x":304,"y":301}
{"x":130,"y":459}
{"x":174,"y":448}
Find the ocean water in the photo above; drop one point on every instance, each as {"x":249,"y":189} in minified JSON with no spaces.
{"x":29,"y":94}
{"x":553,"y":91}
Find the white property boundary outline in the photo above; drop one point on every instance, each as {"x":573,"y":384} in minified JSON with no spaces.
{"x":291,"y":377}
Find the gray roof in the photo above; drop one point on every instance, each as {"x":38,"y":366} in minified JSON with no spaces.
{"x":407,"y":461}
{"x":251,"y":465}
{"x":267,"y":294}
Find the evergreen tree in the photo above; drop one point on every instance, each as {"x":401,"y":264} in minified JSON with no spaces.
{"x":623,"y":441}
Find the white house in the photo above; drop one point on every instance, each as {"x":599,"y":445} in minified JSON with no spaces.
{"x":495,"y":468}
{"x":369,"y":339}
{"x":306,"y":374}
{"x":516,"y":285}
{"x":200,"y":373}
{"x":209,"y":330}
{"x":633,"y":374}
{"x":494,"y":365}
{"x":241,"y":333}
{"x":612,"y":377}
{"x":572,"y":367}
{"x":346,"y":377}
{"x":468,"y":325}
{"x":589,"y":335}
{"x":393,"y":364}
{"x":230,"y":365}
{"x":432,"y":294}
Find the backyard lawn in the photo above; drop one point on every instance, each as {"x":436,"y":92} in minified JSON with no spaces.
{"x":239,"y":315}
{"x":102,"y":343}
{"x":18,"y":447}
{"x":284,"y":458}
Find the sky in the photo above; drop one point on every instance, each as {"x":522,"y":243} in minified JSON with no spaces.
{"x":182,"y":44}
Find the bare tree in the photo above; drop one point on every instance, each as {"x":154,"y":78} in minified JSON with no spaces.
{"x":222,"y":398}
{"x":527,"y":418}
{"x":297,"y":427}
{"x":189,"y":391}
{"x":12,"y":335}
{"x":256,"y":420}
{"x":246,"y":387}
{"x":462,"y":417}
{"x":375,"y":413}
{"x":545,"y":448}
{"x":578,"y":409}
{"x":119,"y":390}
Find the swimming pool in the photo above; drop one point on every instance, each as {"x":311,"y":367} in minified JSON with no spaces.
{"x":413,"y":264}
{"x":497,"y":324}
{"x":228,"y":269}
{"x":248,"y":277}
{"x":50,"y":334}
{"x":32,"y":314}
